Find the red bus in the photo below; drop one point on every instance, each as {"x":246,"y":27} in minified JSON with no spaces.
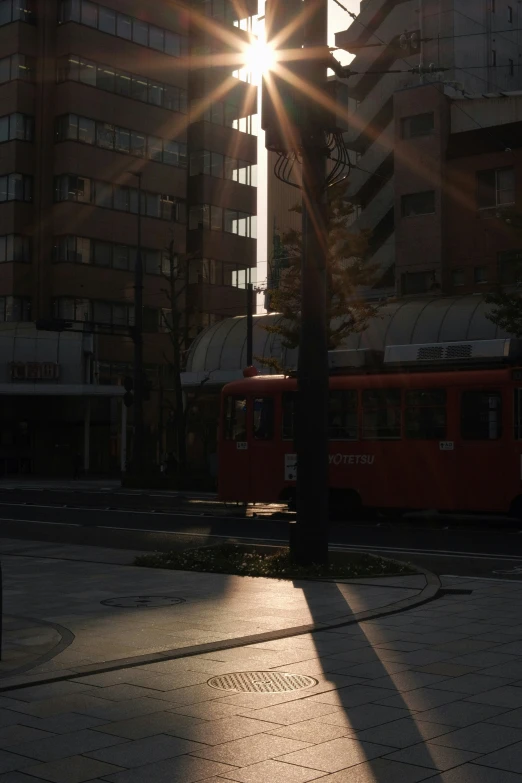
{"x":437,"y":433}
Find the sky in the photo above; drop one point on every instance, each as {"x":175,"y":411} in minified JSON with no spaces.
{"x":338,"y":20}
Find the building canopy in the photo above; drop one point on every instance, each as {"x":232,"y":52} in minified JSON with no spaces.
{"x":218,"y":355}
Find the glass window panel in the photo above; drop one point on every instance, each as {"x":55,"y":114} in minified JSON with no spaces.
{"x":236,"y":419}
{"x":102,"y":254}
{"x":18,"y":127}
{"x":217,"y":113}
{"x":138,"y":144}
{"x":155,"y":148}
{"x":121,"y":198}
{"x":5,"y":70}
{"x":171,"y":153}
{"x":102,"y":312}
{"x":216,"y":218}
{"x":152,"y":262}
{"x":230,"y":115}
{"x":481,"y":415}
{"x":139,"y":88}
{"x":107,"y":20}
{"x":4,"y":129}
{"x":86,"y":130}
{"x":83,"y":250}
{"x":216,"y":166}
{"x":140,"y":32}
{"x":171,"y":98}
{"x":5,"y":12}
{"x":172,"y":44}
{"x":105,"y":135}
{"x":120,"y":257}
{"x":253,"y":226}
{"x":156,"y":38}
{"x":89,"y":14}
{"x":242,"y":225}
{"x":15,"y":190}
{"x":122,"y":140}
{"x":4,"y":255}
{"x":182,"y":155}
{"x":168,"y":208}
{"x":22,"y":67}
{"x":123,"y":83}
{"x":153,"y":206}
{"x":3,"y":188}
{"x":82,"y":310}
{"x":106,"y":78}
{"x":124,"y":26}
{"x":155,"y":93}
{"x":263,"y":418}
{"x":230,"y":222}
{"x":119,"y":314}
{"x":289,"y":415}
{"x":103,"y":194}
{"x":87,"y":72}
{"x":133,"y":198}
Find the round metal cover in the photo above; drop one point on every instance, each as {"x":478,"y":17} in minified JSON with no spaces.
{"x":261,"y":682}
{"x":143,"y":601}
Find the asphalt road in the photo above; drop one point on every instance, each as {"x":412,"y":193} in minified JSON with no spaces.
{"x":464,"y":546}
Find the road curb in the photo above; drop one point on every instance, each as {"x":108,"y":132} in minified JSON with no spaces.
{"x":429,"y":593}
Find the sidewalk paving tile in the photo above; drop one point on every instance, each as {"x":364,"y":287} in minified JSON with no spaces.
{"x":207,"y":710}
{"x":271,"y":771}
{"x":11,"y":761}
{"x":8,"y":718}
{"x":224,"y":730}
{"x":183,"y":769}
{"x":425,"y":754}
{"x":65,"y":723}
{"x":459,"y":713}
{"x":506,"y":696}
{"x":404,"y":732}
{"x":365,"y":716}
{"x":62,"y":745}
{"x":510,"y":718}
{"x":420,"y":699}
{"x":14,"y":735}
{"x":509,"y":759}
{"x":473,"y":773}
{"x":250,"y":750}
{"x":148,"y":725}
{"x":294,"y":712}
{"x":148,"y":750}
{"x":480,"y":737}
{"x":380,"y":771}
{"x":471,"y":683}
{"x":313,"y":731}
{"x":75,"y":769}
{"x":408,"y":681}
{"x":336,"y":754}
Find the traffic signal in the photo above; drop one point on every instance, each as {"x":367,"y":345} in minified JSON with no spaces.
{"x":128,"y":385}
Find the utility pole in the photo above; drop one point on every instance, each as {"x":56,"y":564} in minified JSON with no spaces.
{"x":311,"y":544}
{"x":250,"y":324}
{"x":137,"y":333}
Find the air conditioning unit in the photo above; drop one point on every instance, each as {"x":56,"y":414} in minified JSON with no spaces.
{"x":355,"y":358}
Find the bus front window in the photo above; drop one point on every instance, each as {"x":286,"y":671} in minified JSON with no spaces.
{"x":236,"y":419}
{"x":263,"y":418}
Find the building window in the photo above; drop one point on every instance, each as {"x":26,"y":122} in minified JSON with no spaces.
{"x":481,"y":415}
{"x":510,"y":267}
{"x":225,"y":113}
{"x":457,"y":277}
{"x":418,"y":125}
{"x":70,"y":187}
{"x":425,"y":414}
{"x":18,"y":66}
{"x":104,"y":77}
{"x":415,"y":204}
{"x":16,"y":127}
{"x":226,"y":11}
{"x":480,"y":274}
{"x":496,"y":187}
{"x":214,"y":164}
{"x":16,"y":187}
{"x":210,"y":271}
{"x":381,"y":414}
{"x":96,"y":311}
{"x":15,"y":247}
{"x":236,"y":418}
{"x":15,"y":308}
{"x":418,"y":283}
{"x":17,"y":11}
{"x":71,"y":127}
{"x":107,"y":20}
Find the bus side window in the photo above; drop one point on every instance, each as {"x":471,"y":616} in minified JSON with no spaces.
{"x":425,"y":414}
{"x":263,"y":418}
{"x":236,"y":419}
{"x":381,"y":414}
{"x":289,"y":415}
{"x":342,"y":414}
{"x":481,"y":415}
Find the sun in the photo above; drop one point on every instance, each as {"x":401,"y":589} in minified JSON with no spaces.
{"x":259,"y":58}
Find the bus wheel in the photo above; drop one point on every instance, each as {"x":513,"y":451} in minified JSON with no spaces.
{"x":345,"y":505}
{"x":516,"y":508}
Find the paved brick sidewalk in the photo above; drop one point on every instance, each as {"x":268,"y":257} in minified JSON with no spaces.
{"x":433,"y":693}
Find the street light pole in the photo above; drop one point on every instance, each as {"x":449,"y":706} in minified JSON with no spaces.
{"x":311,"y":536}
{"x":138,"y":444}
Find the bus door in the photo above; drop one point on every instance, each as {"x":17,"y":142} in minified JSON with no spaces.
{"x":261,"y":446}
{"x":481,"y":470}
{"x":234,"y":453}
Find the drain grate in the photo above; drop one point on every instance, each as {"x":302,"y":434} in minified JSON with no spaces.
{"x":261,"y":682}
{"x":143,"y":601}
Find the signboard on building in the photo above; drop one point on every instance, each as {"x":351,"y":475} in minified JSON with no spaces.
{"x":34,"y":371}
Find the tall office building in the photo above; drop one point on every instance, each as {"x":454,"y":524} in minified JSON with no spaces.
{"x":93,"y":95}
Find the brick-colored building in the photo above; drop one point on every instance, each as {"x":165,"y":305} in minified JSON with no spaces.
{"x":458,"y":185}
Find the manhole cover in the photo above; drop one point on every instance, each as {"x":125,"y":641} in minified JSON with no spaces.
{"x":262,"y":682}
{"x":143,"y":601}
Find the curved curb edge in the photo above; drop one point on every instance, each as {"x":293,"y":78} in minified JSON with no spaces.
{"x":428,"y":594}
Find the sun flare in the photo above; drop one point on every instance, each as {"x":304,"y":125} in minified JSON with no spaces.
{"x":259,"y":58}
